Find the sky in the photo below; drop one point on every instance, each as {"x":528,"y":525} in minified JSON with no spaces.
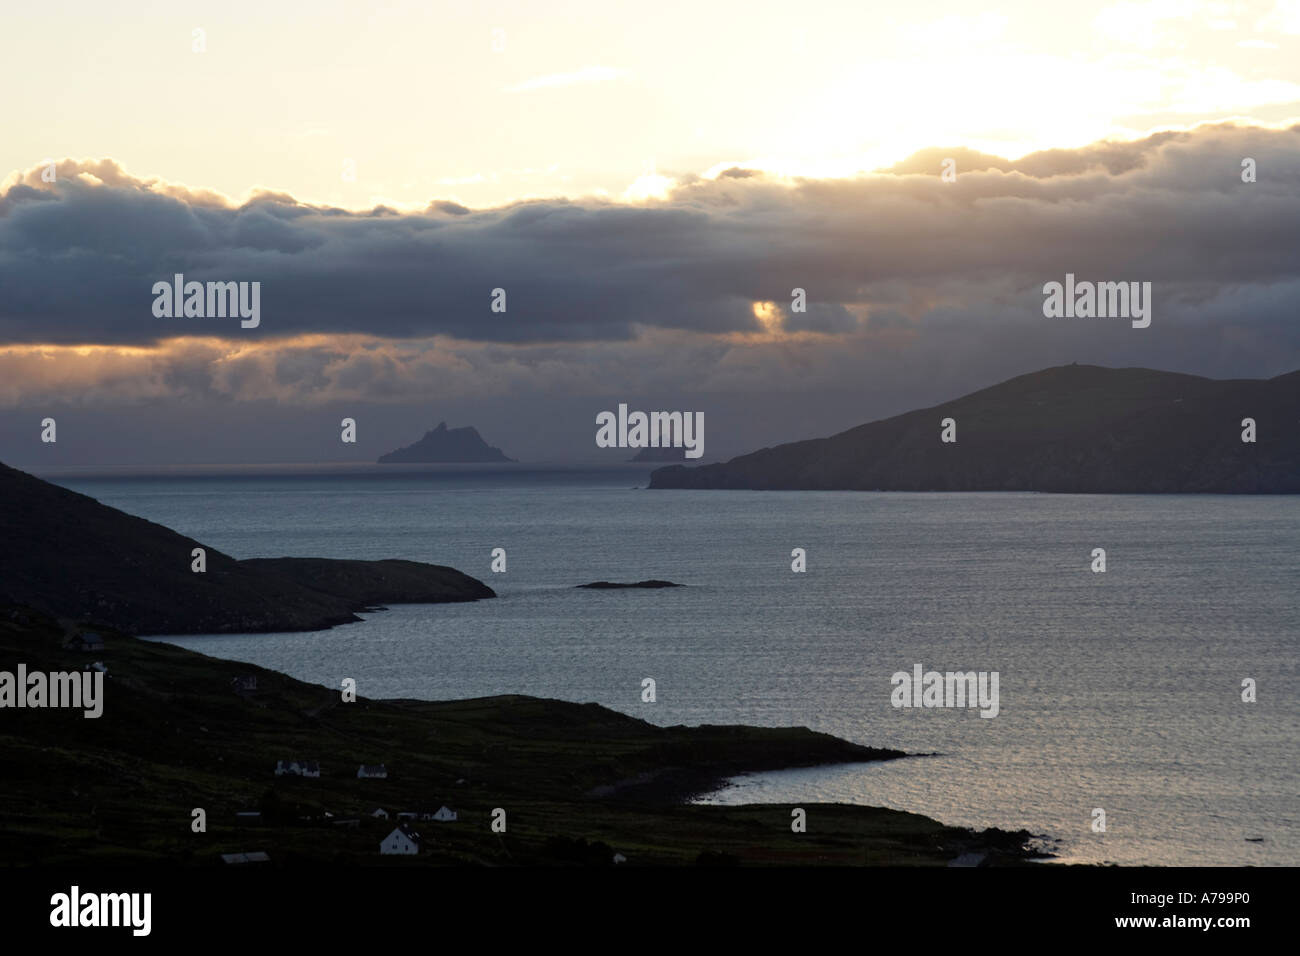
{"x":648,"y":184}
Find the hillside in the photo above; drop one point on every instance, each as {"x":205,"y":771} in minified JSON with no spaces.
{"x":577,"y":781}
{"x":69,"y":555}
{"x":1075,"y":428}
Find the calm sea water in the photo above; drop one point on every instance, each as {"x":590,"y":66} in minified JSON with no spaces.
{"x":1119,"y":690}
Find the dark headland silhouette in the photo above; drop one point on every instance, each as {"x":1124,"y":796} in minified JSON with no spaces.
{"x":1070,"y":429}
{"x":69,"y":555}
{"x":660,"y":454}
{"x":446,"y":445}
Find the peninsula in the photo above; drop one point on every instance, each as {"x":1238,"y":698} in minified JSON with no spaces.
{"x":1078,"y":429}
{"x":69,"y":555}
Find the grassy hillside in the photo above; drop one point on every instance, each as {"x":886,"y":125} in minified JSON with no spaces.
{"x":578,"y":782}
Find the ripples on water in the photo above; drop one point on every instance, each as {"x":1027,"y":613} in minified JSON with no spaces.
{"x":1118,"y":690}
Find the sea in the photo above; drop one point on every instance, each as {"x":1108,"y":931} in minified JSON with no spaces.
{"x":1125,"y":692}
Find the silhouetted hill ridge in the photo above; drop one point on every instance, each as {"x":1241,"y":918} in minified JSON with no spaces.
{"x":1073,"y":428}
{"x":71,"y":556}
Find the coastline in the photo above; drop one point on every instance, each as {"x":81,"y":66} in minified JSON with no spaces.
{"x":574,"y":779}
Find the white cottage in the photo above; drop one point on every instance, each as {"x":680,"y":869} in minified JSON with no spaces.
{"x":85,"y":641}
{"x":297,"y":768}
{"x":372,"y":772}
{"x":403,"y":841}
{"x":445,"y":815}
{"x":380,"y":813}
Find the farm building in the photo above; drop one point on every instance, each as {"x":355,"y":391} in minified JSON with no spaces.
{"x":85,"y":641}
{"x":297,"y":768}
{"x":403,"y":841}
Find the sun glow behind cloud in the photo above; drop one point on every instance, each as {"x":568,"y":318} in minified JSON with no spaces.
{"x":588,"y":74}
{"x":649,"y":186}
{"x":768,"y":314}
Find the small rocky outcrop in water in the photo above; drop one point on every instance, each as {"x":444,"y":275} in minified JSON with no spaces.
{"x":661,"y":454}
{"x":611,"y":585}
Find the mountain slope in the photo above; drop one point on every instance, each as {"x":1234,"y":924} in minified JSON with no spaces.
{"x":69,"y":555}
{"x":1075,"y":428}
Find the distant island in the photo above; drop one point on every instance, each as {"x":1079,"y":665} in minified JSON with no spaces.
{"x":68,"y":555}
{"x":446,"y":445}
{"x":660,"y":454}
{"x":1078,"y":429}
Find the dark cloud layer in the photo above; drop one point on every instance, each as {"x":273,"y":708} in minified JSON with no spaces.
{"x":78,"y":257}
{"x":918,"y":291}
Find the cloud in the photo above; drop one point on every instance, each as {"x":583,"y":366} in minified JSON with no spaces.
{"x":904,"y":274}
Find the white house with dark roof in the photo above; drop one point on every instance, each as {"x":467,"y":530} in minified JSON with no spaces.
{"x":442,"y":815}
{"x":380,"y":813}
{"x":376,"y":771}
{"x":297,"y":768}
{"x":85,"y":641}
{"x":403,"y":841}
